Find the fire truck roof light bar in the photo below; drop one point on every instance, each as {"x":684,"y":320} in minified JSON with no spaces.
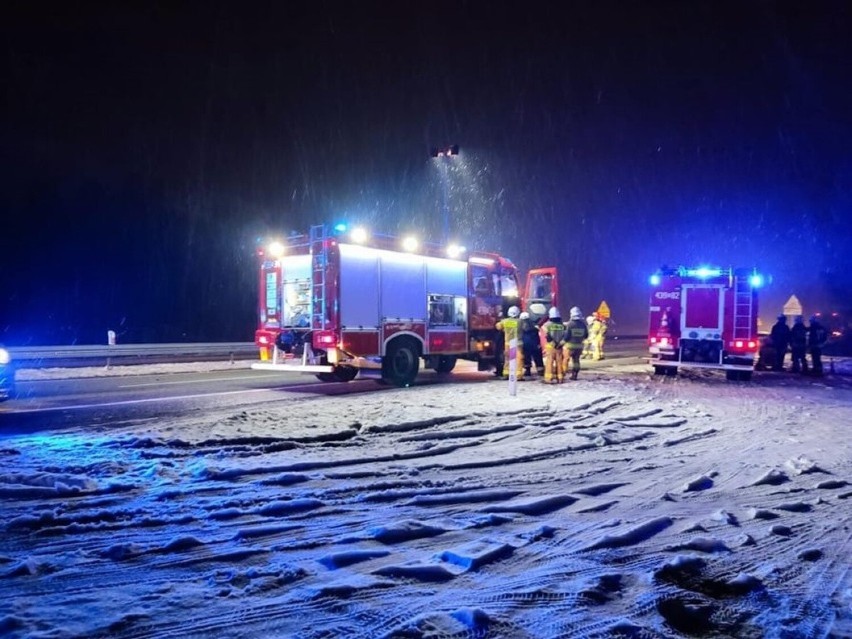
{"x":276,"y":249}
{"x":755,"y":279}
{"x":703,"y":272}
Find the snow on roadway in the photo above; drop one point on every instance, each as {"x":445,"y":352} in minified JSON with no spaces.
{"x":621,"y":505}
{"x":38,"y":374}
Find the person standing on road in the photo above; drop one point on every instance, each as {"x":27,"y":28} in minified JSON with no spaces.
{"x":554,"y":334}
{"x":799,"y":345}
{"x":498,"y":349}
{"x":780,"y":335}
{"x":817,"y":337}
{"x":600,"y":338}
{"x":532,"y":345}
{"x":589,"y":343}
{"x":509,"y":328}
{"x":576,"y":333}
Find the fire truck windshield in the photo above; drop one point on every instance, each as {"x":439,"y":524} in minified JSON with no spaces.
{"x":509,"y":284}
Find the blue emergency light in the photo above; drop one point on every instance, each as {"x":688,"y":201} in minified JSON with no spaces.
{"x":704,"y":272}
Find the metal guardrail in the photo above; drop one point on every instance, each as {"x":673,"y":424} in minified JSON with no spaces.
{"x":87,"y":355}
{"x":96,"y":354}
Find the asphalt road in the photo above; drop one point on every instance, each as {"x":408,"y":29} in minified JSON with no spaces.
{"x":81,"y":402}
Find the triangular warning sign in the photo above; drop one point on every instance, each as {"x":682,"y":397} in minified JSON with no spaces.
{"x":793,"y":306}
{"x":603,"y":310}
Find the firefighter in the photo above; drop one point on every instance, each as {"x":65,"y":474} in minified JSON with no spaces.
{"x":588,"y":344}
{"x":553,"y":331}
{"x":531,"y":344}
{"x":817,"y":336}
{"x":576,"y":333}
{"x":600,"y":337}
{"x":780,"y":336}
{"x":799,"y":345}
{"x":509,"y":328}
{"x":498,"y":348}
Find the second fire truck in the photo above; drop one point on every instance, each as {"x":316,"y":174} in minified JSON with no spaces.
{"x":704,"y":317}
{"x":333,"y":302}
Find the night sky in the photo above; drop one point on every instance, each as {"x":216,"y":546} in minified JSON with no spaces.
{"x":145,"y":149}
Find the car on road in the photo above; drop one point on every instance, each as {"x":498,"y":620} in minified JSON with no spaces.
{"x":7,"y":375}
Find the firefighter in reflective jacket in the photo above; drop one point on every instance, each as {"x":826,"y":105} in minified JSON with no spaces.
{"x":531,"y":345}
{"x":509,"y":327}
{"x":576,"y":332}
{"x":553,"y":331}
{"x":589,"y":343}
{"x":600,"y":337}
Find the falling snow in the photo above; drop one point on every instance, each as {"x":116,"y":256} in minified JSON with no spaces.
{"x":620,"y":505}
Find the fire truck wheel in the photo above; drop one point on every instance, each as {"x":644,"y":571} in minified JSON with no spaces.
{"x":738,"y":376}
{"x":445,"y":364}
{"x":659,"y":370}
{"x":340,"y":374}
{"x":345,"y":373}
{"x":400,"y":364}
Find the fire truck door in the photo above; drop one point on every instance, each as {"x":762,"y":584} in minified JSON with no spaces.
{"x":270,"y":305}
{"x":703,"y":311}
{"x":541,"y":292}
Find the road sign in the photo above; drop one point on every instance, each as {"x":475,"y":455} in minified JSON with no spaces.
{"x":793,"y":307}
{"x":603,"y":310}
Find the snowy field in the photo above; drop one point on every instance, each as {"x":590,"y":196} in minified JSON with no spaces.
{"x":621,"y":505}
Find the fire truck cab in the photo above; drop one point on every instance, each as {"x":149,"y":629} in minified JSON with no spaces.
{"x":704,"y":318}
{"x":334,"y":302}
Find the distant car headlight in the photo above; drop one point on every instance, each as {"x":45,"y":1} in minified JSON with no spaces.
{"x":4,"y":356}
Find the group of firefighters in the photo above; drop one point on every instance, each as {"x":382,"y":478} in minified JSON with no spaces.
{"x":800,"y":339}
{"x":551,"y":343}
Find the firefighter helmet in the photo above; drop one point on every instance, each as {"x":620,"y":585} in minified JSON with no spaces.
{"x":514,"y":311}
{"x":576,"y":313}
{"x":553,"y":313}
{"x":525,"y":315}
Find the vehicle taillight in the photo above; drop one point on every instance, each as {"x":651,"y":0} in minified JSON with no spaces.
{"x":664,"y":341}
{"x":653,"y":340}
{"x":738,"y":343}
{"x":752,"y":344}
{"x":325,"y":338}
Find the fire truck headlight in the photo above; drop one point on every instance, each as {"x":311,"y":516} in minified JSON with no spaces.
{"x":410,"y":244}
{"x":4,"y":356}
{"x":275,"y":249}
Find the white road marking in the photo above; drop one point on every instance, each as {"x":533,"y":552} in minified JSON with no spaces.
{"x":148,"y":400}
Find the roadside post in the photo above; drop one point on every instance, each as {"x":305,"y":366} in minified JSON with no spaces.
{"x":513,"y":365}
{"x":110,"y":342}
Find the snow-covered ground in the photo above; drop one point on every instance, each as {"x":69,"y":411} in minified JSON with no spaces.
{"x":621,"y":505}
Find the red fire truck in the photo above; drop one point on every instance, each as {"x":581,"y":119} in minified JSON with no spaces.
{"x":704,"y":318}
{"x":333,"y":302}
